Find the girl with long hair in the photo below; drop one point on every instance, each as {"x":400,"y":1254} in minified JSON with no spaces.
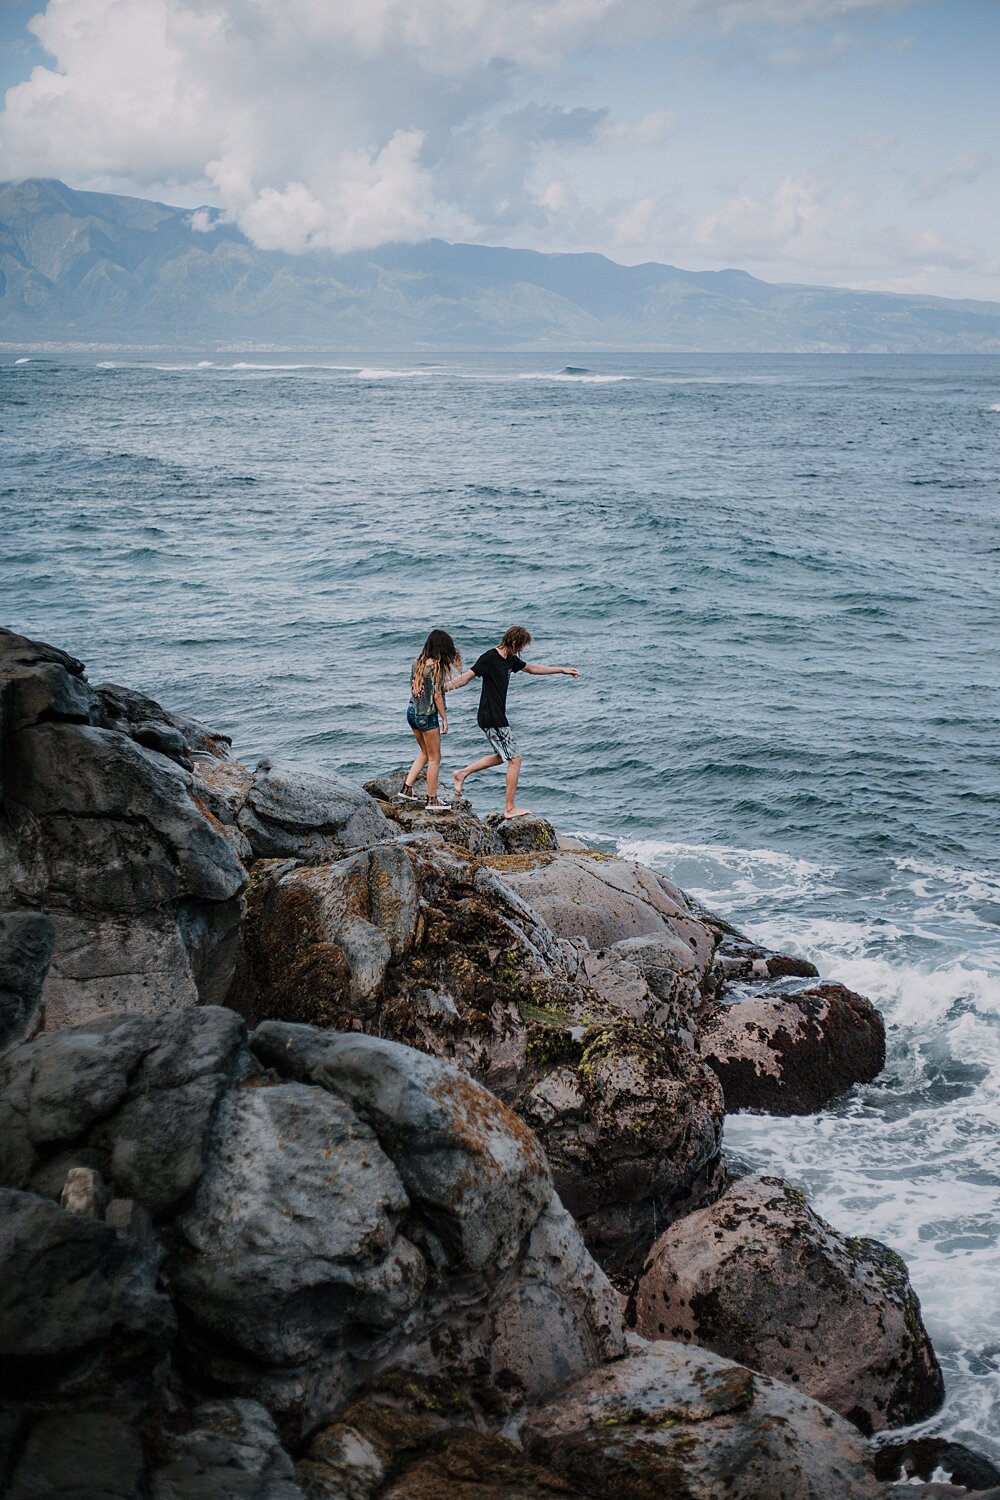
{"x":426,"y":714}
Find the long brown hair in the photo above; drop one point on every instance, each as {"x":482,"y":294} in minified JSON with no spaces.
{"x":442,"y":656}
{"x":515,"y":638}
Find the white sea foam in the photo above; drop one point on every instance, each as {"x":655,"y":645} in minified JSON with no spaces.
{"x":588,"y":379}
{"x":377,"y":374}
{"x":995,"y":406}
{"x":205,"y":364}
{"x":246,"y":364}
{"x":22,"y":361}
{"x":724,"y":875}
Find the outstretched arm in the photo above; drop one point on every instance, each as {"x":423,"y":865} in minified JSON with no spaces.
{"x":457,"y":682}
{"x":537,"y":670}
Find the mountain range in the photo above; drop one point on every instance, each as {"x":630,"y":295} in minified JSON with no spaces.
{"x":102,"y":269}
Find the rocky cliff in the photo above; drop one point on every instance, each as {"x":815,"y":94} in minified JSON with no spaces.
{"x":349,"y":1152}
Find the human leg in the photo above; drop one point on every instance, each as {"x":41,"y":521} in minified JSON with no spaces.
{"x":419,"y":761}
{"x":511,"y":809}
{"x":432,"y":747}
{"x":458,"y":777}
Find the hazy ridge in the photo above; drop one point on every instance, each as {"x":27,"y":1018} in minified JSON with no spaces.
{"x":98,"y":268}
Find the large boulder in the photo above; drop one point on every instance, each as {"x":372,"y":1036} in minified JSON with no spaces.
{"x":760,"y":1278}
{"x":676,"y":1421}
{"x":133,"y":1097}
{"x":80,"y":1312}
{"x":791,"y":1054}
{"x":632,"y":1126}
{"x":415,"y":940}
{"x":323,"y":1206}
{"x":605,"y":900}
{"x":100,"y":830}
{"x":292,"y":812}
{"x":221,"y":1450}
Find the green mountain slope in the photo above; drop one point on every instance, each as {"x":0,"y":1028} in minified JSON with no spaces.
{"x":98,"y":268}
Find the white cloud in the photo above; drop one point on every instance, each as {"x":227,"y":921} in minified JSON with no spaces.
{"x":748,"y":228}
{"x":341,"y":123}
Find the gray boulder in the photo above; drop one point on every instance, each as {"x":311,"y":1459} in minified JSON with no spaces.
{"x":676,"y":1421}
{"x":225,"y":1450}
{"x":522,"y":835}
{"x":632,"y":1127}
{"x":132,"y":1096}
{"x":605,"y":900}
{"x":71,"y":1455}
{"x":80,"y":1313}
{"x":26,"y":939}
{"x":293,"y":812}
{"x":791,"y":1054}
{"x":760,"y":1278}
{"x":222,"y":1450}
{"x":103,"y":834}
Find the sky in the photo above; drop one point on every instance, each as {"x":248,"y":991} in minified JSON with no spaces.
{"x":837,"y":142}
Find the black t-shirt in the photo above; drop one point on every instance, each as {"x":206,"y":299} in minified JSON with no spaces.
{"x":494,"y":671}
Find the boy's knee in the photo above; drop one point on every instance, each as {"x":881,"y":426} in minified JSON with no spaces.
{"x":515,"y":760}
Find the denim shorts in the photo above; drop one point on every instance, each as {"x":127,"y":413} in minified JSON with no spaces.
{"x":423,"y":721}
{"x":503,"y":742}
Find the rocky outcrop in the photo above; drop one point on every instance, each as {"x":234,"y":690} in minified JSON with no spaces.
{"x":791,"y":1054}
{"x":313,"y":1207}
{"x":760,"y":1278}
{"x":419,"y":942}
{"x":604,"y":900}
{"x":676,"y":1421}
{"x":377,"y":1269}
{"x":632,"y":1126}
{"x":101,"y":833}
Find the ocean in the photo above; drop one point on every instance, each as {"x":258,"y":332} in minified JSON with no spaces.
{"x":778,"y":577}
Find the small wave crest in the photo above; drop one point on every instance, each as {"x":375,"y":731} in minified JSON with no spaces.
{"x":22,"y":361}
{"x":723,"y":876}
{"x":577,"y":377}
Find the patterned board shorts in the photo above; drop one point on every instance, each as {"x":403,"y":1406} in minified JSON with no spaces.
{"x":503,"y":742}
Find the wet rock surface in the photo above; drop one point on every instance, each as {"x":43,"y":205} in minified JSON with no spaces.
{"x":760,"y":1278}
{"x":793,"y":1053}
{"x":671,"y":1420}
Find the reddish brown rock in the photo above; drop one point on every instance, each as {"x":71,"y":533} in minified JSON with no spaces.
{"x":760,"y":1278}
{"x":791,"y":1054}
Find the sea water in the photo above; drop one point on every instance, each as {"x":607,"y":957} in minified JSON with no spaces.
{"x":778,"y":577}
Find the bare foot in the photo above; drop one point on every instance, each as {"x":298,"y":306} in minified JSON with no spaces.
{"x":516,"y":812}
{"x":459,"y":781}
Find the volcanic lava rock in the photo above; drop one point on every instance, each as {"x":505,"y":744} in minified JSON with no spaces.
{"x":605,"y":900}
{"x":26,"y":939}
{"x":102,"y":834}
{"x":632,"y":1127}
{"x":760,"y":1278}
{"x":670,"y":1420}
{"x":791,"y":1054}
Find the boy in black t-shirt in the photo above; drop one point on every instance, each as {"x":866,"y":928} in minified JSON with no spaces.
{"x":493,"y":669}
